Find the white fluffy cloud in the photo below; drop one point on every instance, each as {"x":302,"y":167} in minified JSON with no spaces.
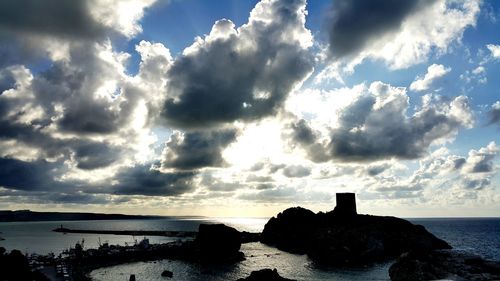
{"x":495,"y":50}
{"x":434,"y":72}
{"x":120,"y":15}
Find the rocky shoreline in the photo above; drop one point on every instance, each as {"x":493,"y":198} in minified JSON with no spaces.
{"x":443,"y":264}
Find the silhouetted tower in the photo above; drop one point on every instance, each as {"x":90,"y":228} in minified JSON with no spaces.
{"x":346,"y":204}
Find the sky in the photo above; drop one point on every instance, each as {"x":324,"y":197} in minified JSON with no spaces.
{"x":235,"y":108}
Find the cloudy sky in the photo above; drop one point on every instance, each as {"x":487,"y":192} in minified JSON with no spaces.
{"x":244,"y":108}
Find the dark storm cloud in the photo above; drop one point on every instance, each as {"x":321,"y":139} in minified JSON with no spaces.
{"x":354,"y":23}
{"x":303,"y":135}
{"x":7,"y":80}
{"x":23,"y":175}
{"x":87,"y":154}
{"x":88,"y":117}
{"x":58,"y":197}
{"x":73,"y":198}
{"x":91,"y":156}
{"x":73,"y":86}
{"x":147,"y":180}
{"x":54,"y":17}
{"x":243,"y":75}
{"x":368,"y":131}
{"x":194,"y":150}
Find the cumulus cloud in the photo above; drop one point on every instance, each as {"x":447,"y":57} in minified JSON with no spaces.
{"x":194,"y":150}
{"x":375,"y":125}
{"x":481,"y":161}
{"x":240,"y":74}
{"x":82,"y":111}
{"x":440,"y":175}
{"x":495,"y":50}
{"x":398,"y":33}
{"x":477,"y":75}
{"x":434,"y":72}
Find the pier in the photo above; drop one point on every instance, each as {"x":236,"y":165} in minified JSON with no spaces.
{"x":179,"y":234}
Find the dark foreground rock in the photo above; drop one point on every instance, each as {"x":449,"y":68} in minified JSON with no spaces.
{"x":346,"y":238}
{"x":14,"y":266}
{"x":167,"y":273}
{"x":218,"y":243}
{"x":444,"y":264}
{"x":265,"y":275}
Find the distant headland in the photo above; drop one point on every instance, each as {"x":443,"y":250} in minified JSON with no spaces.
{"x":27,"y":215}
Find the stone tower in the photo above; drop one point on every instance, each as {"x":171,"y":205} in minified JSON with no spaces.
{"x":346,"y":204}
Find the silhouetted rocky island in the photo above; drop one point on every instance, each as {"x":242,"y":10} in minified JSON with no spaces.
{"x":343,"y":237}
{"x":265,"y":275}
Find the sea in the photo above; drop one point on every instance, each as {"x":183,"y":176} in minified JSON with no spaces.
{"x":479,"y":236}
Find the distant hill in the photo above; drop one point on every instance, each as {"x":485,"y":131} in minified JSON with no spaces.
{"x":27,"y":215}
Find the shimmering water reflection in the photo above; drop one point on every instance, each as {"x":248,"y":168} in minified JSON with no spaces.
{"x":258,"y":256}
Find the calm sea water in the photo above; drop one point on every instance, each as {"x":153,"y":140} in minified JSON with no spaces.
{"x":478,"y":235}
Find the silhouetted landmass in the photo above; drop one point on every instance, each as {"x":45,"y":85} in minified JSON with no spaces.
{"x":218,"y":243}
{"x":26,"y":215}
{"x":342,"y":237}
{"x":265,"y":275}
{"x":449,"y":265}
{"x":14,"y":266}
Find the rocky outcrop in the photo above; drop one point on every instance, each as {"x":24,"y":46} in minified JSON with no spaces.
{"x":167,"y":273}
{"x":218,"y":242}
{"x":337,"y":238}
{"x":265,"y":275}
{"x":290,"y":230}
{"x":444,"y":264}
